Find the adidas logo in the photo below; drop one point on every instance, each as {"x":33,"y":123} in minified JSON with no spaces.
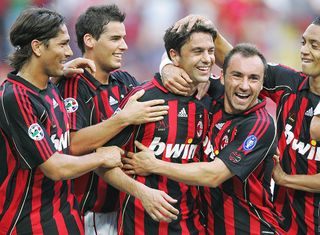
{"x":183,"y":113}
{"x":54,"y":102}
{"x":309,"y":112}
{"x":112,"y":101}
{"x":219,"y":125}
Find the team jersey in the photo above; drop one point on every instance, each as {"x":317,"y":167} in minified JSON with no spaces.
{"x":245,"y":143}
{"x":299,"y":154}
{"x":33,"y":126}
{"x":89,"y":102}
{"x":177,"y":138}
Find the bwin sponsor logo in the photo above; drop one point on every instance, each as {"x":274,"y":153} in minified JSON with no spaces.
{"x":208,"y":148}
{"x":61,"y":143}
{"x":184,"y":151}
{"x":306,"y":149}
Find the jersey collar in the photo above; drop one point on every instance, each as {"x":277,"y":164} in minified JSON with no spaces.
{"x":14,"y":78}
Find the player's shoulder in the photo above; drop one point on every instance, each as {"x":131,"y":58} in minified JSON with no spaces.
{"x":284,"y":70}
{"x":124,"y":77}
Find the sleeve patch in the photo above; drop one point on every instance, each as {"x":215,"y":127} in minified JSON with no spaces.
{"x":249,"y":143}
{"x":71,"y":105}
{"x":35,"y":132}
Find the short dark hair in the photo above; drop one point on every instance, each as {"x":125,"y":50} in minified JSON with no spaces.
{"x":93,"y":20}
{"x":175,"y":40}
{"x":246,"y":50}
{"x":33,"y":23}
{"x":316,"y":21}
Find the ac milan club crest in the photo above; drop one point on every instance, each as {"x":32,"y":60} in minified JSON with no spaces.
{"x":199,"y":129}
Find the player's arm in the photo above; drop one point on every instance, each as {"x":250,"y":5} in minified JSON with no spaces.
{"x":209,"y":174}
{"x":315,"y":124}
{"x":133,"y":113}
{"x":308,"y":183}
{"x":155,"y":202}
{"x":61,"y":166}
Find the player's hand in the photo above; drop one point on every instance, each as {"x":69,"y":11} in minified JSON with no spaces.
{"x":278,"y":174}
{"x":158,"y":204}
{"x":202,"y":89}
{"x":111,"y":156}
{"x":141,"y":163}
{"x":176,"y":80}
{"x":135,"y":112}
{"x":190,"y":20}
{"x":78,"y":65}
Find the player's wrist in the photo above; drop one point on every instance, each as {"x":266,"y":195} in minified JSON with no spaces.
{"x":163,"y":63}
{"x":122,"y":119}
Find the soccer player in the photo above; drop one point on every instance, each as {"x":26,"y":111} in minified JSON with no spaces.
{"x":177,"y":138}
{"x":91,"y":101}
{"x":238,"y":166}
{"x":297,"y":95}
{"x":35,"y":194}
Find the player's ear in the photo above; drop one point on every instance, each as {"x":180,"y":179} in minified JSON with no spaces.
{"x":88,"y":40}
{"x":36,"y":47}
{"x":175,"y":57}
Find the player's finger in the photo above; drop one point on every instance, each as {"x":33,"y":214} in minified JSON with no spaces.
{"x":168,"y":198}
{"x":127,"y":167}
{"x":137,"y":95}
{"x":140,"y":146}
{"x":156,"y":102}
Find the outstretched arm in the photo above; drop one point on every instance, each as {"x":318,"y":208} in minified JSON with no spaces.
{"x":133,"y":113}
{"x":209,"y":174}
{"x":308,"y":183}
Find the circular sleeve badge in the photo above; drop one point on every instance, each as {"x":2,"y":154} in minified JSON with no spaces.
{"x":35,"y":132}
{"x":249,"y":143}
{"x":71,"y":104}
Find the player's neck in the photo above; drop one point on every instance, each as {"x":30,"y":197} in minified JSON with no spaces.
{"x":102,"y":76}
{"x":34,"y":74}
{"x":315,"y":85}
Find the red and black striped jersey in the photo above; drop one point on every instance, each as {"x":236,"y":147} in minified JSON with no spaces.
{"x":245,"y":143}
{"x":177,"y":138}
{"x":89,"y":102}
{"x":299,"y":154}
{"x":33,"y":126}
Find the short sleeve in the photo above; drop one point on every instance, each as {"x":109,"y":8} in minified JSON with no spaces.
{"x":254,"y":141}
{"x":22,"y":122}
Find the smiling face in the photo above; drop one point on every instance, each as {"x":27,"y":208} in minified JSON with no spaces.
{"x":196,"y":56}
{"x":108,"y":50}
{"x":310,"y":51}
{"x":243,"y":82}
{"x":56,"y":53}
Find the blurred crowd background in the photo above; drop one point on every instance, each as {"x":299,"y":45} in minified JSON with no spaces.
{"x":275,"y":26}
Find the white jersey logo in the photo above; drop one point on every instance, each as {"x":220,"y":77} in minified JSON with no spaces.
{"x":112,"y":101}
{"x":183,"y":113}
{"x":35,"y":132}
{"x":54,"y":103}
{"x":312,"y":152}
{"x":62,"y":142}
{"x":185,"y":151}
{"x":309,"y":112}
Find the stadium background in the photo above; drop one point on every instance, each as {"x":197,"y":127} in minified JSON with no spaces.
{"x":274,"y":26}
